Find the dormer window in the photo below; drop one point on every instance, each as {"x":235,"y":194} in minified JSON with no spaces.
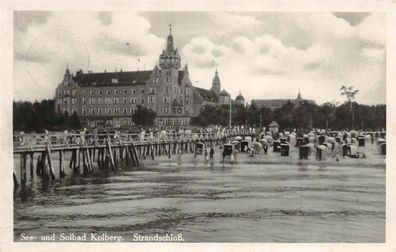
{"x":114,"y":81}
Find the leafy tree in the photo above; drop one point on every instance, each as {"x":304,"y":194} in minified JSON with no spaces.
{"x":38,"y":116}
{"x":144,"y":116}
{"x":350,"y":93}
{"x":74,"y":121}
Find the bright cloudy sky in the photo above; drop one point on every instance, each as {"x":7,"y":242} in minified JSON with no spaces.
{"x":264,"y":55}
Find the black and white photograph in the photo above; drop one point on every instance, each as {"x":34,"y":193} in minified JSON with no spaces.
{"x":196,"y":126}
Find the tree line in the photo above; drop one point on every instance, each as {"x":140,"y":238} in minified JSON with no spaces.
{"x":303,"y":115}
{"x":38,"y":116}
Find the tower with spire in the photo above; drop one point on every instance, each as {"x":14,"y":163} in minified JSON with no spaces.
{"x":240,"y":99}
{"x":216,"y":84}
{"x":299,"y":98}
{"x":169,"y":58}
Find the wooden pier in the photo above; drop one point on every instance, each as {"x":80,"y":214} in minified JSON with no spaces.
{"x":102,"y":151}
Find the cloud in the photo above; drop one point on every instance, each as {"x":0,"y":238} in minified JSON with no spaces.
{"x":261,"y":70}
{"x":265,"y":55}
{"x":84,"y":40}
{"x":354,"y":18}
{"x":105,"y":18}
{"x":24,"y":19}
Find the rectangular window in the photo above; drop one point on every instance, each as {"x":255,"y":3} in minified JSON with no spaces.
{"x":142,"y":101}
{"x":133,"y":91}
{"x":142,"y":91}
{"x":114,"y":81}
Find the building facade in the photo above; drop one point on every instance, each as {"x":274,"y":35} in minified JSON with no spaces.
{"x":111,"y":98}
{"x":278,"y":103}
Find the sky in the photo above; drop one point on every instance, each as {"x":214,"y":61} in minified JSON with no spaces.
{"x":262,"y":55}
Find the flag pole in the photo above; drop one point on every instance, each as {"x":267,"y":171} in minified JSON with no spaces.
{"x":229,"y":123}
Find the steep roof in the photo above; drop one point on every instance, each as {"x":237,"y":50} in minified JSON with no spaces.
{"x":207,"y":95}
{"x":181,"y":76}
{"x":239,"y":98}
{"x":273,"y":124}
{"x":224,"y":93}
{"x":176,"y":103}
{"x":113,"y":78}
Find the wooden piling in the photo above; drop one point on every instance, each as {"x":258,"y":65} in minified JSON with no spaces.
{"x":50,"y":163}
{"x":89,"y":161}
{"x":109,"y":149}
{"x":31,"y":165}
{"x":23,"y":169}
{"x":135,"y":155}
{"x":61,"y":164}
{"x":15,"y":180}
{"x":38,"y":165}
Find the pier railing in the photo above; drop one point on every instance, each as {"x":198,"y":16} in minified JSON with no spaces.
{"x":25,"y":143}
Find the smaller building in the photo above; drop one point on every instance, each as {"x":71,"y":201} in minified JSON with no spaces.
{"x":278,"y":103}
{"x":240,"y":100}
{"x":224,"y":97}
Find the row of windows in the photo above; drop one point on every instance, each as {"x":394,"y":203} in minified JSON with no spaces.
{"x":111,"y":100}
{"x":73,"y":101}
{"x":174,"y":110}
{"x":118,"y":100}
{"x":114,"y":91}
{"x":67,"y":92}
{"x":108,"y":111}
{"x":121,"y":92}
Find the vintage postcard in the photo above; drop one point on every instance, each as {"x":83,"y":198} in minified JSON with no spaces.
{"x":205,"y":125}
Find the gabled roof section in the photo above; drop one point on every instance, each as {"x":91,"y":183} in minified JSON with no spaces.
{"x":224,"y":93}
{"x":273,"y":124}
{"x":113,"y":78}
{"x":176,"y":103}
{"x":207,"y":95}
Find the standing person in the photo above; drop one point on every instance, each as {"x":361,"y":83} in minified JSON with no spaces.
{"x":211,"y":153}
{"x":206,"y":154}
{"x":265,"y":149}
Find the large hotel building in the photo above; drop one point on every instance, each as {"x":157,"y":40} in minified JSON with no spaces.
{"x":111,"y":98}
